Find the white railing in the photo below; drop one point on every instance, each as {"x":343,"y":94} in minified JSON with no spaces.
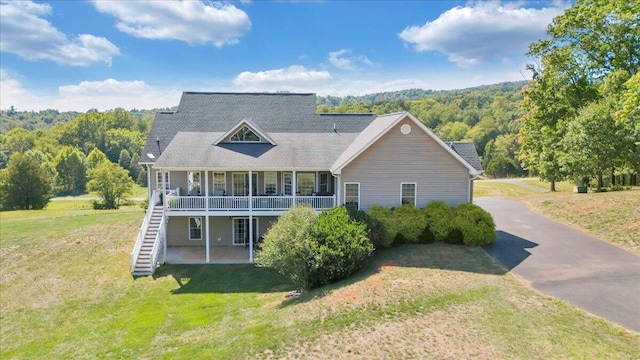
{"x":157,"y":252}
{"x":228,"y":203}
{"x":155,"y":199}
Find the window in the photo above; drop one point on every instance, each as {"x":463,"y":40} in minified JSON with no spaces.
{"x":159,"y":180}
{"x":324,"y":183}
{"x":195,"y":228}
{"x":306,"y":184}
{"x":245,"y":134}
{"x":193,"y":179}
{"x":219,"y":183}
{"x":287,"y":183}
{"x":352,"y":195}
{"x":408,"y":193}
{"x":270,"y":179}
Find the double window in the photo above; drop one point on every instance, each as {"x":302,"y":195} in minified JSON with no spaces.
{"x":241,"y":231}
{"x":408,"y":193}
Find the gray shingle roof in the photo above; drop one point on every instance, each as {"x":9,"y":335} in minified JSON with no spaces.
{"x":467,"y":151}
{"x":310,"y":151}
{"x":273,"y":112}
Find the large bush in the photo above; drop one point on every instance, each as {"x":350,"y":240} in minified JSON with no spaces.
{"x":474,"y":224}
{"x":341,"y":246}
{"x":315,"y":250}
{"x":288,"y":246}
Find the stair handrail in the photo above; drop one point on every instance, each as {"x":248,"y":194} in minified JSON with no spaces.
{"x":158,"y":245}
{"x":155,"y":199}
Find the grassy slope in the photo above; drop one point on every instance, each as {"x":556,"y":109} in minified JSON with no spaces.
{"x":611,"y":216}
{"x":66,"y":293}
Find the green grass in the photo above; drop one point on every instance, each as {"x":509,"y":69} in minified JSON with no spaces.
{"x":497,"y":189}
{"x":611,"y":216}
{"x":66,"y":292}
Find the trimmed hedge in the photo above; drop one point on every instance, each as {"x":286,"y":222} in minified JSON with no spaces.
{"x":465,"y":224}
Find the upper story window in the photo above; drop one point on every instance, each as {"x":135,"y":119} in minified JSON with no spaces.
{"x":245,"y":134}
{"x":408,"y":193}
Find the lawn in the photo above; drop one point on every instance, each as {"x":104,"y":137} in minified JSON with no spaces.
{"x":66,"y":292}
{"x":610,"y":216}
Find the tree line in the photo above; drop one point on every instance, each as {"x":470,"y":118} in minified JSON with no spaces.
{"x":96,"y":151}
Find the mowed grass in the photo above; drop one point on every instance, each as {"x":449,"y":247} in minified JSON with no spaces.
{"x":610,"y":216}
{"x":66,"y":292}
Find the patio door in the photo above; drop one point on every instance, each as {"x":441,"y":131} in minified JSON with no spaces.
{"x":241,"y":231}
{"x":241,"y":184}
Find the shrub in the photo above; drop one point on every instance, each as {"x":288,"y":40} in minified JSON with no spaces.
{"x":288,"y":246}
{"x":440,"y":217}
{"x":315,"y":250}
{"x":341,"y":246}
{"x":385,"y":217}
{"x":474,"y":224}
{"x":375,"y":229}
{"x":410,"y":223}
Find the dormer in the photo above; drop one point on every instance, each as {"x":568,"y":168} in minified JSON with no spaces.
{"x":246,"y":131}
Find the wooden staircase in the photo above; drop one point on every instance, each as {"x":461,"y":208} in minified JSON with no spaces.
{"x":143,"y":264}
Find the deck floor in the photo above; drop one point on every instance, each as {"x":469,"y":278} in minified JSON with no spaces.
{"x":217,"y":255}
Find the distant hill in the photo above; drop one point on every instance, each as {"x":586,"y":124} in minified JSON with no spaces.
{"x":413,"y":94}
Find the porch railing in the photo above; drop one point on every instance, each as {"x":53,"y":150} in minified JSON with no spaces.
{"x":229,"y":203}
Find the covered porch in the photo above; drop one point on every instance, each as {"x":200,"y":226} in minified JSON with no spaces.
{"x":222,"y":254}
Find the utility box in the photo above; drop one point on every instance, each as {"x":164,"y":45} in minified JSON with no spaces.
{"x":580,"y":189}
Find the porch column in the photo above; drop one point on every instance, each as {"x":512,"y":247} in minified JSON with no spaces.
{"x":294,"y":188}
{"x":338,"y":187}
{"x":206,"y":232}
{"x":164,"y":211}
{"x":250,"y":216}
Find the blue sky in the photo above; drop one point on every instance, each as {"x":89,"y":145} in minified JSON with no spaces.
{"x":76,"y":55}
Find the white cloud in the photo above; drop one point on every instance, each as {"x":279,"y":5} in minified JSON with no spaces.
{"x":486,"y":30}
{"x":26,"y":34}
{"x":293,"y":78}
{"x":191,"y":21}
{"x":111,"y":93}
{"x":101,"y":95}
{"x":342,"y":59}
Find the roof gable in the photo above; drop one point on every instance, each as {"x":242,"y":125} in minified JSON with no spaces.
{"x":239,"y":127}
{"x":378,"y":128}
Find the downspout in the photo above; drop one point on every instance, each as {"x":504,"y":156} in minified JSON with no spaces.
{"x":470,"y":188}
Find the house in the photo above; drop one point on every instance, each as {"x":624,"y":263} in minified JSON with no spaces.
{"x":224,"y":166}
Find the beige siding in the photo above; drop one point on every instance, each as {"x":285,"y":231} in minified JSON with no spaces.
{"x":220,"y":230}
{"x":396,"y":158}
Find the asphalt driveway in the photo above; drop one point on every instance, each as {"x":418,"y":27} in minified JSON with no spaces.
{"x":560,"y":261}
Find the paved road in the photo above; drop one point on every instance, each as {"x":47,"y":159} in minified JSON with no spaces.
{"x":566,"y":263}
{"x":516,"y":181}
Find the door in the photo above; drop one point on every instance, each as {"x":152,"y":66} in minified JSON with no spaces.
{"x":241,"y":184}
{"x":241,"y":231}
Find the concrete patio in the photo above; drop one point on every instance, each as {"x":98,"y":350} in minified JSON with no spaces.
{"x":217,"y":255}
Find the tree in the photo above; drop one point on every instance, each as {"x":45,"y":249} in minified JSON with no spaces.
{"x":124,"y":159}
{"x":24,"y":184}
{"x":111,"y":182}
{"x":70,"y":164}
{"x":95,"y":159}
{"x":134,"y":167}
{"x":592,"y":39}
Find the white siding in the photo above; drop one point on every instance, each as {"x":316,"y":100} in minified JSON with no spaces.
{"x":396,"y":158}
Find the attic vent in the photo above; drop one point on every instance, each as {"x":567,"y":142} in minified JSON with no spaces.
{"x":405,"y":129}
